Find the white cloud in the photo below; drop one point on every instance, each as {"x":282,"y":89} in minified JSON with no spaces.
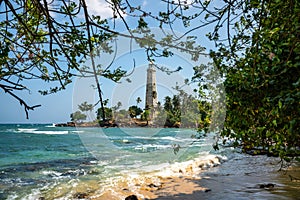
{"x":99,"y":7}
{"x":145,"y":3}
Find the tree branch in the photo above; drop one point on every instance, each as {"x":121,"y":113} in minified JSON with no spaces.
{"x":7,"y":89}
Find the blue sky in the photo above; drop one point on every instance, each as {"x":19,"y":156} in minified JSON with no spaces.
{"x":57,"y":107}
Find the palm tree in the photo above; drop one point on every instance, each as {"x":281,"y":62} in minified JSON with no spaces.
{"x":85,"y":107}
{"x":138,"y":100}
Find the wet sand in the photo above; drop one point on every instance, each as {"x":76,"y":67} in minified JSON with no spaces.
{"x":176,"y":179}
{"x":243,"y":177}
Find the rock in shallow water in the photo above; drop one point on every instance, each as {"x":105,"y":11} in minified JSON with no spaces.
{"x":267,"y":186}
{"x":131,"y":197}
{"x":80,"y":195}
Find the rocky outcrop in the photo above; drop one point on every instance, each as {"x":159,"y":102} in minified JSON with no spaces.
{"x":68,"y":124}
{"x":111,"y":123}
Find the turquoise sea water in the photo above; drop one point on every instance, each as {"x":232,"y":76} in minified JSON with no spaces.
{"x":51,"y":162}
{"x":41,"y":161}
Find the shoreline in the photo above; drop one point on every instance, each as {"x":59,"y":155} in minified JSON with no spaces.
{"x":234,"y":179}
{"x":149,"y":185}
{"x":240,"y":177}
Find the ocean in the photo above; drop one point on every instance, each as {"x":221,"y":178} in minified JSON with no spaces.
{"x":44,"y":162}
{"x":48,"y":162}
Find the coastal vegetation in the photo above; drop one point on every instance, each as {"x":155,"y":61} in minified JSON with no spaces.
{"x":182,"y":110}
{"x":261,"y":64}
{"x":77,"y":117}
{"x":257,"y":48}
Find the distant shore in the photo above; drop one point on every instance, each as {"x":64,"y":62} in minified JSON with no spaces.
{"x":111,"y":123}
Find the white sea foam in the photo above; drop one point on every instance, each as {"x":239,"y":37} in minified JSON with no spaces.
{"x":12,"y":130}
{"x":171,"y":138}
{"x":26,"y":130}
{"x":166,"y":138}
{"x":13,"y":196}
{"x":147,"y":147}
{"x":37,"y":193}
{"x":50,"y":126}
{"x":125,"y":141}
{"x":34,"y":194}
{"x":35,"y":131}
{"x":143,"y":137}
{"x":51,"y":132}
{"x":51,"y":173}
{"x":144,"y":176}
{"x":197,"y":145}
{"x":77,"y":131}
{"x":100,"y":162}
{"x":192,"y":167}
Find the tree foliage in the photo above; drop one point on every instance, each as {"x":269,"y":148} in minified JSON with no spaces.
{"x":77,"y":116}
{"x":47,"y":41}
{"x":185,"y":110}
{"x":50,"y":41}
{"x":134,"y":111}
{"x":256,"y":50}
{"x":85,"y":107}
{"x":145,"y":115}
{"x":275,"y":81}
{"x":138,"y":100}
{"x":173,"y":110}
{"x":108,"y":113}
{"x":261,"y":63}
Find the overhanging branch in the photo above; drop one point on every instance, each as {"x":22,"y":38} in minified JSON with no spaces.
{"x":21,"y":101}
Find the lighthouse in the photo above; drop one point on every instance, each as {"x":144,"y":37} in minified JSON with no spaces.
{"x":151,"y":92}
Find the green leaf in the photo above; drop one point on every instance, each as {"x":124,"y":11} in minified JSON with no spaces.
{"x":142,"y":24}
{"x":280,"y":104}
{"x":274,"y":122}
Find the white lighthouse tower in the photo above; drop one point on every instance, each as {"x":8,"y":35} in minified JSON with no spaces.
{"x":151,"y":92}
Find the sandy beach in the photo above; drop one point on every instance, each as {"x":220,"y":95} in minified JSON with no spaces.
{"x":241,"y":177}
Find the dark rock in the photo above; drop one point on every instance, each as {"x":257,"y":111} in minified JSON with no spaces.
{"x":68,"y":124}
{"x":267,"y":186}
{"x":81,"y":195}
{"x":41,"y":198}
{"x":108,"y":124}
{"x":131,"y":197}
{"x":207,"y":190}
{"x":151,"y":185}
{"x":262,"y":186}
